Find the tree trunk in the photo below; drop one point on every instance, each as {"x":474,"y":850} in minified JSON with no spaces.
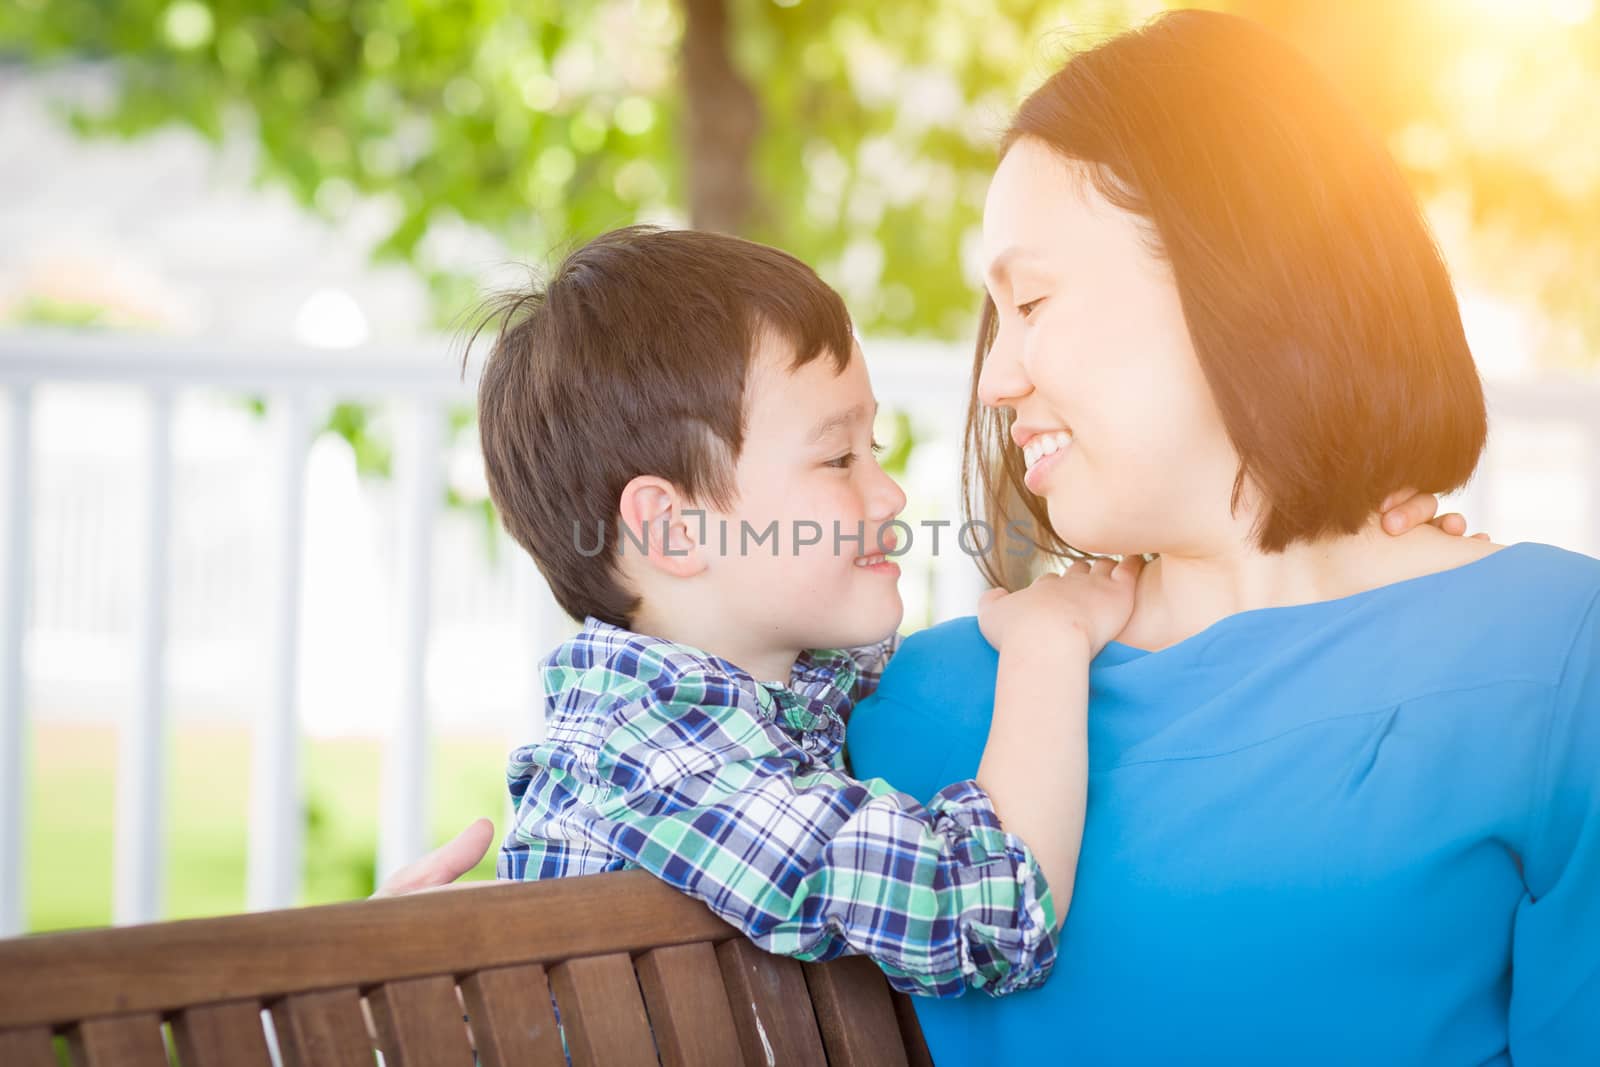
{"x":722,"y":118}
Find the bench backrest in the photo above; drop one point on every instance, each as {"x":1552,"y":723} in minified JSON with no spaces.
{"x":638,"y":973}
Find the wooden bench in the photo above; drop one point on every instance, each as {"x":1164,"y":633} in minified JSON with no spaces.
{"x":638,"y":972}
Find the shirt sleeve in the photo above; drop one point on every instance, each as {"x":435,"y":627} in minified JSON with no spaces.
{"x":805,"y":860}
{"x":1555,"y":970}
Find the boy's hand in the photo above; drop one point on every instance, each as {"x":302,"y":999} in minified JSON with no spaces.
{"x":1094,"y":597}
{"x":444,"y":864}
{"x":1407,"y":509}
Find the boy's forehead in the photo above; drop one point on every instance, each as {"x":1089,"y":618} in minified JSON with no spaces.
{"x":801,"y":396}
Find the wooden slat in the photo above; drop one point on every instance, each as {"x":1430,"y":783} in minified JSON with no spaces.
{"x":222,"y":1035}
{"x":58,"y":978}
{"x":324,"y":1029}
{"x":119,"y":1041}
{"x":420,"y":1023}
{"x":911,"y":1031}
{"x":688,"y":1006}
{"x":512,"y":1020}
{"x":771,"y":1006}
{"x":602,"y":1013}
{"x":854,"y":1013}
{"x":28,"y":1047}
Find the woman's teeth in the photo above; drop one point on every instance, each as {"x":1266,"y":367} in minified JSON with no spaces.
{"x":867,"y":561}
{"x":1046,"y":444}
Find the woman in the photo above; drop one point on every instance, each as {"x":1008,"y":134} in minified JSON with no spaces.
{"x":1344,"y":800}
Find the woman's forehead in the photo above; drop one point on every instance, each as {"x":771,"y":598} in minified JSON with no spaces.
{"x":1044,"y":209}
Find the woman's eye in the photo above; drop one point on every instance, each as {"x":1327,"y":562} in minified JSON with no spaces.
{"x":1027,"y":309}
{"x":841,"y":462}
{"x":878,"y":449}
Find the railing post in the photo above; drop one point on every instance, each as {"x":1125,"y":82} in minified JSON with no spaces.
{"x":141,"y":780}
{"x":13,"y":687}
{"x":402,"y":819}
{"x":277,"y":825}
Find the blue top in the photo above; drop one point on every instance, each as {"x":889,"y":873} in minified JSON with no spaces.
{"x":1364,"y":831}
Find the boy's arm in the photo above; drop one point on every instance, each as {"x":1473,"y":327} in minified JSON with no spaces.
{"x":1036,"y":762}
{"x":812,"y":863}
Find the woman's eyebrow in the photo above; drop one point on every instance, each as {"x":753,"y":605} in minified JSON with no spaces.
{"x":1000,"y":267}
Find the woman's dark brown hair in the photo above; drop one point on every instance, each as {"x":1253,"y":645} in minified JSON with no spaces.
{"x":1316,"y":300}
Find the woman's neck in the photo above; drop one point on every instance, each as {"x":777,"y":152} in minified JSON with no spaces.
{"x":1184,"y":592}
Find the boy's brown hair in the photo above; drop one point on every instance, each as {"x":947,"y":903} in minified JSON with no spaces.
{"x":632,"y":360}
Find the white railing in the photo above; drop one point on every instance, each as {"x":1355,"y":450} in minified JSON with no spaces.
{"x":423,"y":383}
{"x":1533,"y":422}
{"x":295,"y":381}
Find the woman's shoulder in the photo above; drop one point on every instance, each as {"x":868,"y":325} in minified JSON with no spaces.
{"x":1529,"y":581}
{"x":948,"y":658}
{"x":959,"y":637}
{"x":1520,"y":582}
{"x":1553,"y":561}
{"x":1506,"y":616}
{"x":1427,"y":555}
{"x":926,"y":724}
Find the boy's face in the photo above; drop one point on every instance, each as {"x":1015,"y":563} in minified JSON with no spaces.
{"x":808,"y":465}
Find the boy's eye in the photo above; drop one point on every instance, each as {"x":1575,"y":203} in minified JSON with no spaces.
{"x":848,"y":460}
{"x":1027,"y":309}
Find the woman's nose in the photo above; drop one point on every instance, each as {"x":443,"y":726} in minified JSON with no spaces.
{"x":1002,"y":381}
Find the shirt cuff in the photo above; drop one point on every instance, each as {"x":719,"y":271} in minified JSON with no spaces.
{"x":966,"y":808}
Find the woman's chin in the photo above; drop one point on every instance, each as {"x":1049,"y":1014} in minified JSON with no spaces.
{"x":1077,"y":528}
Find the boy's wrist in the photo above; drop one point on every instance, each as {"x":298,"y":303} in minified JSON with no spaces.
{"x":1060,"y":636}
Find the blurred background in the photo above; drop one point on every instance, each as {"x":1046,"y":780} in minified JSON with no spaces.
{"x":262,"y":639}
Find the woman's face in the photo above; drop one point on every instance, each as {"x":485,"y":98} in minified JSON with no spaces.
{"x":1094,"y":357}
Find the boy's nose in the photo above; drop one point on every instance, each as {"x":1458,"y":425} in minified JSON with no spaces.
{"x":888,"y":499}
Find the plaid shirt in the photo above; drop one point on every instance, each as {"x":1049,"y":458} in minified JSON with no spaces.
{"x":734,"y":791}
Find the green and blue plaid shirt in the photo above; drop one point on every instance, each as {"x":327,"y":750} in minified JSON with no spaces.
{"x":661,"y":756}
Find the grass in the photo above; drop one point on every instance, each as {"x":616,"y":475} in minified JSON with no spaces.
{"x":71,"y":817}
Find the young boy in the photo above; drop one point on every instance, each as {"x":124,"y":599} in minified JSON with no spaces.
{"x":678,"y":429}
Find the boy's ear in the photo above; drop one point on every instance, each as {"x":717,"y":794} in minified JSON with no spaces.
{"x":657,"y":529}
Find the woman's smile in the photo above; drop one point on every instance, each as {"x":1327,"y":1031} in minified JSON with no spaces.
{"x":1040,"y":455}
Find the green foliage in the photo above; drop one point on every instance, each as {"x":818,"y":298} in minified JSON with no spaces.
{"x":45,"y":311}
{"x":898,"y":441}
{"x":373,"y":449}
{"x":544,"y":123}
{"x":882,"y":121}
{"x":504,"y":115}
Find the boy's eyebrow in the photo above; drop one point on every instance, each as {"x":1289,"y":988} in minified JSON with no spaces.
{"x":833,"y":422}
